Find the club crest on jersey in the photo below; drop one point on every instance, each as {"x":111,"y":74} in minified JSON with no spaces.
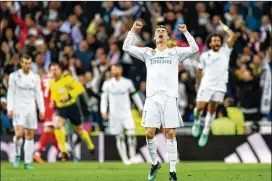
{"x":170,"y":53}
{"x":153,"y":51}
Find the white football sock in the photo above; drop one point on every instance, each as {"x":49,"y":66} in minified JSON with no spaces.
{"x":208,"y":121}
{"x":197,"y":115}
{"x":172,"y":151}
{"x":121,"y":147}
{"x":17,"y":145}
{"x":29,"y":150}
{"x":132,"y":145}
{"x":152,"y":148}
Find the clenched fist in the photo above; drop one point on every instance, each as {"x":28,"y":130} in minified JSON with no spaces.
{"x":182,"y":28}
{"x":137,"y":25}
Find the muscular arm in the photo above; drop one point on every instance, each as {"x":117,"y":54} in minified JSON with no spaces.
{"x":232,"y":36}
{"x":198,"y":77}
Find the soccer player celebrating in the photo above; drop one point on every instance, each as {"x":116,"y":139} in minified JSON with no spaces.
{"x":116,"y":92}
{"x":23,"y":93}
{"x":48,"y":130}
{"x":64,"y":92}
{"x":162,"y":90}
{"x":211,"y":87}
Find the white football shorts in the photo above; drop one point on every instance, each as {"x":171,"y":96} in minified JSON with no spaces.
{"x":161,"y":109}
{"x":118,"y":124}
{"x":25,"y":117}
{"x":207,"y":95}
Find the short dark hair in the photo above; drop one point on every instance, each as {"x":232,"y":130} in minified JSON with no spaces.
{"x":26,"y":57}
{"x":55,"y":64}
{"x":160,"y":26}
{"x":209,"y":39}
{"x":118,"y":65}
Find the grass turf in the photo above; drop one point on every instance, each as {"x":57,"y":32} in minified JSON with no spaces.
{"x":116,"y":171}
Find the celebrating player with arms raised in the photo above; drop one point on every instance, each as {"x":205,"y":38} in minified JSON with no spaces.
{"x":162,"y":90}
{"x":212,"y":86}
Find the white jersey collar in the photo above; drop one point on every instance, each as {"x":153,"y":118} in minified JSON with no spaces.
{"x":158,"y":51}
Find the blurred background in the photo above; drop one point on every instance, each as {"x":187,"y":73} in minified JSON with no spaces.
{"x":87,"y":37}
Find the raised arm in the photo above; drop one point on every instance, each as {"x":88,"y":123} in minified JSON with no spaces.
{"x":18,"y":20}
{"x":186,"y":52}
{"x":137,"y":52}
{"x":232,"y":36}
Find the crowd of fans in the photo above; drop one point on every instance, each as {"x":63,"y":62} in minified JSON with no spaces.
{"x":87,"y":37}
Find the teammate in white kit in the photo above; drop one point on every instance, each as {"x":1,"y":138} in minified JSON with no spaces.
{"x":162,"y":90}
{"x":24,"y":92}
{"x":211,"y":88}
{"x":116,"y":95}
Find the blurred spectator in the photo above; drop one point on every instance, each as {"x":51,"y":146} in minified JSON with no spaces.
{"x":114,"y":54}
{"x":84,"y":54}
{"x":6,"y":123}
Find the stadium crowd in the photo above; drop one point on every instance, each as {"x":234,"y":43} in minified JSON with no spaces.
{"x":87,"y":38}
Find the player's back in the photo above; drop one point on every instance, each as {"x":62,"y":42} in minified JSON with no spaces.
{"x":119,"y":95}
{"x":23,"y":88}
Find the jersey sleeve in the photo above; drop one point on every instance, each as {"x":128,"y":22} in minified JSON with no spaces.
{"x":225,"y":49}
{"x":52,"y":92}
{"x":131,"y":87}
{"x":11,"y":93}
{"x":39,"y":95}
{"x":137,"y":52}
{"x":186,"y":52}
{"x":104,"y":98}
{"x":75,"y":87}
{"x":201,"y":63}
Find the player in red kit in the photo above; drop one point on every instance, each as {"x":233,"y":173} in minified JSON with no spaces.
{"x":48,"y":130}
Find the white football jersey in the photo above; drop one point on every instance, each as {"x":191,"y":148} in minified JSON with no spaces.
{"x":215,"y":67}
{"x":24,"y":91}
{"x":162,"y":67}
{"x":116,"y":94}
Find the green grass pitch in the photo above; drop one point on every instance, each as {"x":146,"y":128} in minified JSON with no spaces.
{"x":116,"y":171}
